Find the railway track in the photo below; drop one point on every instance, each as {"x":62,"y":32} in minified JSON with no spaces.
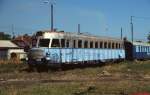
{"x":101,"y":79}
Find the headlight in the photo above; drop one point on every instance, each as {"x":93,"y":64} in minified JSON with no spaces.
{"x":26,"y":58}
{"x":47,"y":54}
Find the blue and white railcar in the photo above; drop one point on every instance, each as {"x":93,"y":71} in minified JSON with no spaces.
{"x":56,"y":48}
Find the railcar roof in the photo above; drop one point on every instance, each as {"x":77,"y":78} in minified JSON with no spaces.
{"x":141,"y":44}
{"x":85,"y":35}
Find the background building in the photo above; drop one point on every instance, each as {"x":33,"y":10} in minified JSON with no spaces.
{"x":10,"y":50}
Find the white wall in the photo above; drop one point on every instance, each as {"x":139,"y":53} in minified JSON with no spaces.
{"x":19,"y":52}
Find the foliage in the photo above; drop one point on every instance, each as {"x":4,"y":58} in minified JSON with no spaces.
{"x":148,"y":37}
{"x":4,"y":36}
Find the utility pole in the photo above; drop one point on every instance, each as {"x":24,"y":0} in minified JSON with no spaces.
{"x":52,"y":18}
{"x":78,"y":28}
{"x":121,"y":33}
{"x":132,"y":34}
{"x":12,"y":30}
{"x":51,"y":2}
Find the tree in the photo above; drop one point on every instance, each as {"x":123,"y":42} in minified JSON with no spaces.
{"x":148,"y":37}
{"x":4,"y":36}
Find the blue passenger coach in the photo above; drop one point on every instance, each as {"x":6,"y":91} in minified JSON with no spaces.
{"x":56,"y":48}
{"x":141,"y":50}
{"x":137,"y":50}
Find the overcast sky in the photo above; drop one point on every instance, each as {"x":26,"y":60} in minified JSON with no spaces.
{"x":98,"y":17}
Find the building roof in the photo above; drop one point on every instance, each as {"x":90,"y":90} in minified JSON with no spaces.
{"x":23,"y":41}
{"x":7,"y":44}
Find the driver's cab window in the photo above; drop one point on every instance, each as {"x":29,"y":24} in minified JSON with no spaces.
{"x":55,"y":43}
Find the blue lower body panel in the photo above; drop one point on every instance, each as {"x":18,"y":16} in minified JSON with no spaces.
{"x":68,"y":55}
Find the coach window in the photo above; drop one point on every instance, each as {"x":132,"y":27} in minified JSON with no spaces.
{"x":91,"y":44}
{"x":105,"y":45}
{"x":139,"y":48}
{"x":55,"y":43}
{"x":80,"y":44}
{"x":147,"y":49}
{"x":142,"y":49}
{"x":67,"y":43}
{"x":96,"y":44}
{"x":62,"y":42}
{"x":85,"y":44}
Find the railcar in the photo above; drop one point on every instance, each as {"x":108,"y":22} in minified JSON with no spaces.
{"x":137,"y":50}
{"x":57,"y":48}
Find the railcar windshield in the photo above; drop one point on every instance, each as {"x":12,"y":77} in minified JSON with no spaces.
{"x":44,"y":42}
{"x":55,"y":43}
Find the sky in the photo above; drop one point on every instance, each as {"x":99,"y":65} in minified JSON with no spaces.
{"x":97,"y":17}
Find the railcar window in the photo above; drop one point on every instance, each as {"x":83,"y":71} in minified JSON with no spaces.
{"x":96,"y":44}
{"x":67,"y":43}
{"x":62,"y":42}
{"x":44,"y":42}
{"x":80,"y":44}
{"x":109,"y":45}
{"x":85,"y":44}
{"x":34,"y":41}
{"x":119,"y":46}
{"x":55,"y":43}
{"x":74,"y":43}
{"x":91,"y":44}
{"x":105,"y":45}
{"x":101,"y":44}
{"x":113,"y":45}
{"x":116,"y":45}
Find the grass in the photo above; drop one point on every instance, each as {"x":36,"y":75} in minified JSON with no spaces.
{"x":113,"y":79}
{"x":90,"y":88}
{"x":11,"y":68}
